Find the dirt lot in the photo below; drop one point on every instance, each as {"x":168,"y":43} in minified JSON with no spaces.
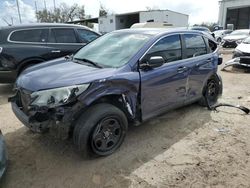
{"x":188,"y":147}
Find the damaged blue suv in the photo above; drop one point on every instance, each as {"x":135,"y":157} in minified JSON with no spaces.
{"x":124,"y":77}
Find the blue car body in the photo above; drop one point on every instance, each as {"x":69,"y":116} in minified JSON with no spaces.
{"x":143,"y":94}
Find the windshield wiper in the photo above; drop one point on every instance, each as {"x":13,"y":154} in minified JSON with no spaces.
{"x":88,"y":61}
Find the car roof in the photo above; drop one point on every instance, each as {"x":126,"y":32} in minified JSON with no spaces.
{"x":162,"y":31}
{"x":38,"y":25}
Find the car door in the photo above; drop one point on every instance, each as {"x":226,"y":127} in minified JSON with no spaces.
{"x":201,"y":62}
{"x":62,"y":42}
{"x":163,"y":87}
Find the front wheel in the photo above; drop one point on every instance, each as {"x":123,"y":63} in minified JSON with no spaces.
{"x":100,"y":130}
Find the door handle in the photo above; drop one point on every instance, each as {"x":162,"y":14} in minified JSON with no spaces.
{"x":181,"y":69}
{"x":56,"y":51}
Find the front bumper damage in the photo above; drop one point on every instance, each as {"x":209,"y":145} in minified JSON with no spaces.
{"x":238,"y":62}
{"x":58,"y":121}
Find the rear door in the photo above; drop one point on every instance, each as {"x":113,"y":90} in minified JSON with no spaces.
{"x":62,"y":42}
{"x":164,"y":87}
{"x":202,"y":63}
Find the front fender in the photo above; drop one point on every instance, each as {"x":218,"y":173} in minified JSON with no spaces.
{"x":128,"y":90}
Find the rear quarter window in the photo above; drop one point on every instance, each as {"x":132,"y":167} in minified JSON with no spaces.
{"x":86,"y":36}
{"x":212,"y":46}
{"x":29,"y":35}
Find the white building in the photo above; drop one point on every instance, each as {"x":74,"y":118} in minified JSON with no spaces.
{"x":121,"y":21}
{"x":236,"y":12}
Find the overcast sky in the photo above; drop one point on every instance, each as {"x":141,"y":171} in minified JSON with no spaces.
{"x":198,"y":10}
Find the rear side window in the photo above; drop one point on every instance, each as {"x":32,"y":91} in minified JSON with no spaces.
{"x":87,"y":36}
{"x":63,"y":35}
{"x":30,"y":35}
{"x":195,"y":45}
{"x":169,"y":48}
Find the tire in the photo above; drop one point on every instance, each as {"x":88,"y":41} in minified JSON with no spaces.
{"x":211,"y":92}
{"x":100,"y":131}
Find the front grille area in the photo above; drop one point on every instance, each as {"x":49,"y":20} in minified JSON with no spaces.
{"x":245,"y":60}
{"x":246,"y":54}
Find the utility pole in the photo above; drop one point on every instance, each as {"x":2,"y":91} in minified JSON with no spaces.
{"x":54,"y":5}
{"x":36,"y":11}
{"x":18,"y":9}
{"x":45,"y":6}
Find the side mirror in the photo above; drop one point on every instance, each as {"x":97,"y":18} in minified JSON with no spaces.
{"x":156,"y":61}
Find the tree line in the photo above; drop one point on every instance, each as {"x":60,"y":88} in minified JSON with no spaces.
{"x":65,"y":13}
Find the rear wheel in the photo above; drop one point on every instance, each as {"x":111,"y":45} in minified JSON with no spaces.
{"x":100,"y":130}
{"x":211,"y":92}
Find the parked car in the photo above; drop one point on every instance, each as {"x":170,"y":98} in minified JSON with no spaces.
{"x":26,"y":45}
{"x":3,"y":155}
{"x":124,"y":77}
{"x":235,"y":37}
{"x":204,"y":29}
{"x":242,"y":52}
{"x":220,"y":34}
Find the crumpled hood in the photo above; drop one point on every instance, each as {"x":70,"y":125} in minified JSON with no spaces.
{"x":60,"y":73}
{"x":244,"y":48}
{"x":235,"y":37}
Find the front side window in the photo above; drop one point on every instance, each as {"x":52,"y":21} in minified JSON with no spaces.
{"x":30,"y":35}
{"x":195,"y":45}
{"x":169,"y":48}
{"x":87,"y":36}
{"x":63,"y":35}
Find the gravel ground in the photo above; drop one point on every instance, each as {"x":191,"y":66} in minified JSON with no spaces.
{"x":188,"y":147}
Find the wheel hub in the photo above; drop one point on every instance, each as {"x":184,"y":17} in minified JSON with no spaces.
{"x":107,"y":134}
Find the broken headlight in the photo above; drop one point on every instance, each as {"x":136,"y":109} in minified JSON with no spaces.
{"x":56,"y":97}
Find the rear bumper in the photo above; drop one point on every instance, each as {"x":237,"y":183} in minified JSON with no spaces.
{"x":8,"y":76}
{"x":3,"y":156}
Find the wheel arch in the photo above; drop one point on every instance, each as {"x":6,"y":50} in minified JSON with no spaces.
{"x":25,"y":62}
{"x":120,"y":100}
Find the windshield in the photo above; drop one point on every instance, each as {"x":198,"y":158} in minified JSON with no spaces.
{"x":240,"y":32}
{"x":247,"y":41}
{"x":113,"y":49}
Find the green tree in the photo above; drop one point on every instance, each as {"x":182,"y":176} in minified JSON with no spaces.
{"x":103,"y":11}
{"x":62,"y":14}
